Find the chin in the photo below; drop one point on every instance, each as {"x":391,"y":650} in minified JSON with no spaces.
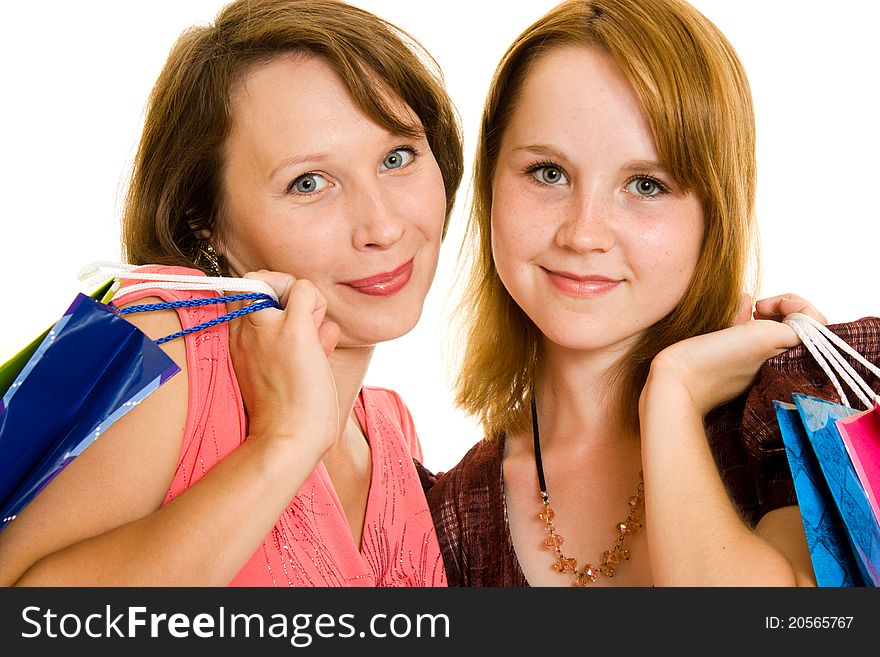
{"x":372,"y":330}
{"x":597,"y":336}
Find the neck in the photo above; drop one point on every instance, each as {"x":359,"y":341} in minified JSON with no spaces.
{"x":349,"y":366}
{"x":575,"y":395}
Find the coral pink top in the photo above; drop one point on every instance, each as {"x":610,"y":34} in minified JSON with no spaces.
{"x":311,"y":544}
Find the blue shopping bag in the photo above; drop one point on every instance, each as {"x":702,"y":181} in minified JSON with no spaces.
{"x":91,"y":368}
{"x":831,"y":552}
{"x":842,"y":533}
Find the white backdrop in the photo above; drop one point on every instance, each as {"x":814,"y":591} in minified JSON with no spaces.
{"x":76,"y":77}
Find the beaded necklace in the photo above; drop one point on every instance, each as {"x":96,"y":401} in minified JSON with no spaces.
{"x":611,"y":558}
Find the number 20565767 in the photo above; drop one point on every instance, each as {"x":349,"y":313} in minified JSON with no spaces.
{"x":807,"y":622}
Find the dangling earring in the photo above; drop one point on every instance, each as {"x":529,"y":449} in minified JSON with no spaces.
{"x":207,"y":256}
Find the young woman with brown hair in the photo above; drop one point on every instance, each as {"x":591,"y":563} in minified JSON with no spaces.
{"x":308,"y":141}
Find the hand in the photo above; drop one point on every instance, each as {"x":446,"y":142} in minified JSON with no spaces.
{"x":281,"y":360}
{"x":717,"y":367}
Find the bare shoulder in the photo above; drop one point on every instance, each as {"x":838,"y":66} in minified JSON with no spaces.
{"x":784,"y":529}
{"x":121,"y":477}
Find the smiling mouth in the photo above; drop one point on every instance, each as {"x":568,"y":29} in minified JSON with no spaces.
{"x":586,"y":286}
{"x":385,"y":284}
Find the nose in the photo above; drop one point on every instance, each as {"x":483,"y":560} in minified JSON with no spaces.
{"x":376,"y":222}
{"x":588,"y":224}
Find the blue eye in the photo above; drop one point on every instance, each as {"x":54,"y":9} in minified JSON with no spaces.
{"x":646,"y":187}
{"x":308,"y":183}
{"x":549,"y":175}
{"x":397,"y":158}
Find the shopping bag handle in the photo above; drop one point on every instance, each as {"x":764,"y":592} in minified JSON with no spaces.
{"x":265,"y":301}
{"x":98,"y":272}
{"x":820,"y":342}
{"x":253,"y":290}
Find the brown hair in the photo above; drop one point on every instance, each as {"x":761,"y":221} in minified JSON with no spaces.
{"x":694,"y":92}
{"x":176,"y":182}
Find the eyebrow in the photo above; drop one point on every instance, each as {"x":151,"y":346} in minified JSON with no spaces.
{"x":295,"y":161}
{"x":646,"y":164}
{"x":544,"y":150}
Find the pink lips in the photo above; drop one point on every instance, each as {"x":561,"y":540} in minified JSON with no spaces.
{"x":591,"y":285}
{"x":383,"y":285}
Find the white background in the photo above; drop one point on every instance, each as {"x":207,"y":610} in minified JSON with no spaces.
{"x":76,"y":76}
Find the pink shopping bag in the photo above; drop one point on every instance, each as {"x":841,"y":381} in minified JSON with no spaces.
{"x":861,"y":436}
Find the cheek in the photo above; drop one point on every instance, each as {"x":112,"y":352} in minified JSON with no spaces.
{"x":504,"y":251}
{"x":425,"y":202}
{"x":302,"y":246}
{"x":516,"y":235}
{"x":309,"y":263}
{"x":670,"y":251}
{"x":689,"y":241}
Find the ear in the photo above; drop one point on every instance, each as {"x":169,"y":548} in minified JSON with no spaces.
{"x":199,"y":223}
{"x":201,"y":233}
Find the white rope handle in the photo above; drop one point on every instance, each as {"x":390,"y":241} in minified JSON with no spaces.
{"x":821,"y":343}
{"x":98,"y":272}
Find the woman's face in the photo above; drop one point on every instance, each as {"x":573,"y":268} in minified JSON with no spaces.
{"x":590,"y":234}
{"x":314,"y":188}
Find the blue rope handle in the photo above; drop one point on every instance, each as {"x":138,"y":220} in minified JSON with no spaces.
{"x":265,"y":301}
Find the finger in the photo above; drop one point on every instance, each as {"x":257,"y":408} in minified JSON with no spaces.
{"x":320,"y":309}
{"x":306,"y":303}
{"x":773,"y":338}
{"x":280,"y":282}
{"x":744,"y":313}
{"x":795,"y":304}
{"x":328,"y":334}
{"x":779,"y":307}
{"x":769,"y":308}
